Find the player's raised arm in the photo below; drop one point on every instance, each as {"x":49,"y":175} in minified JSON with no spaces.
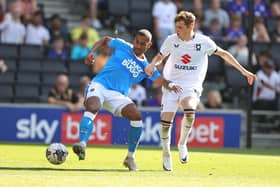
{"x":231,"y":60}
{"x":99,"y":44}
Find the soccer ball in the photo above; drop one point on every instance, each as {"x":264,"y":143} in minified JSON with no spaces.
{"x":56,"y":153}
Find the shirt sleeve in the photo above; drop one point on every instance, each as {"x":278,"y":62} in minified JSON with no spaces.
{"x":116,"y":43}
{"x":211,"y":46}
{"x":166,"y":47}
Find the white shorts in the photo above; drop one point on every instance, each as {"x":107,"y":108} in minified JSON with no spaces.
{"x":171,"y":100}
{"x":111,"y":100}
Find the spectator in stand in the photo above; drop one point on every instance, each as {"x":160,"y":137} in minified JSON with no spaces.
{"x":275,"y":8}
{"x":138,"y":94}
{"x":36,"y":32}
{"x":156,"y":99}
{"x":197,"y":26}
{"x":12,"y":30}
{"x":235,"y":30}
{"x":275,"y":35}
{"x":214,"y":100}
{"x":93,"y":12}
{"x":238,"y":7}
{"x":260,"y":9}
{"x":3,"y":7}
{"x":213,"y":30}
{"x":81,"y":49}
{"x":216,"y":12}
{"x":164,"y":12}
{"x":180,"y":5}
{"x":262,"y":58}
{"x":260,"y":32}
{"x":3,"y":66}
{"x":240,"y":51}
{"x":62,"y":95}
{"x":197,"y":8}
{"x":266,"y":88}
{"x":57,"y":52}
{"x":57,"y":30}
{"x":85,"y":27}
{"x":28,"y":8}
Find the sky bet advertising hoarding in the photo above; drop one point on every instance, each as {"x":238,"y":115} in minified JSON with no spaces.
{"x":46,"y":125}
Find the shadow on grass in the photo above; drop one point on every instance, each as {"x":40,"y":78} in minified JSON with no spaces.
{"x":68,"y":169}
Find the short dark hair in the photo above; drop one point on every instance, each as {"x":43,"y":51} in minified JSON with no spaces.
{"x":146,"y":33}
{"x":187,"y":17}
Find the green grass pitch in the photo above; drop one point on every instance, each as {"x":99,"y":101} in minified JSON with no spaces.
{"x":26,"y":165}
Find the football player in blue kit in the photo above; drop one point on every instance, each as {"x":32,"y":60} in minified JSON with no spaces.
{"x":109,"y":89}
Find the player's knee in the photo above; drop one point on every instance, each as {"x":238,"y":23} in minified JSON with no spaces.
{"x":93,"y":105}
{"x":135,"y":116}
{"x":131,"y":112}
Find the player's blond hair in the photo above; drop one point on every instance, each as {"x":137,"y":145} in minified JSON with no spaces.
{"x":187,"y":17}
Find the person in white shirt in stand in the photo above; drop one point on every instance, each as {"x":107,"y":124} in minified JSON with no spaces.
{"x":138,"y":94}
{"x":186,"y":67}
{"x":12,"y":30}
{"x":36,"y":33}
{"x":164,"y":12}
{"x":266,"y":88}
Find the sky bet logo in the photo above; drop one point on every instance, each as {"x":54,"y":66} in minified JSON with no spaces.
{"x":206,"y":132}
{"x":101,"y":134}
{"x":33,"y":129}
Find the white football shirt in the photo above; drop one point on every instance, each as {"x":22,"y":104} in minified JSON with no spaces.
{"x":261,"y":91}
{"x":188,"y":60}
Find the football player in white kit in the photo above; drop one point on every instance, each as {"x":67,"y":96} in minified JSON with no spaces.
{"x":186,"y":66}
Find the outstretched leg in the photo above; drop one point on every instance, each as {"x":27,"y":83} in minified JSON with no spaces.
{"x":86,"y":126}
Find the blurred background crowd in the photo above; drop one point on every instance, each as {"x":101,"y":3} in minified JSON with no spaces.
{"x":43,"y":43}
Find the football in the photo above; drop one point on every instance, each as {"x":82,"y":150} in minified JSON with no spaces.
{"x":56,"y":153}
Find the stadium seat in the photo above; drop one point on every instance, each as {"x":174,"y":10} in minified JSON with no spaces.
{"x":8,"y":51}
{"x":236,"y":86}
{"x":260,"y":46}
{"x":26,"y":93}
{"x":29,"y":65}
{"x":6,"y":93}
{"x":48,"y":79}
{"x":215,"y":68}
{"x":12,"y":64}
{"x":53,"y":67}
{"x":143,"y":5}
{"x":141,"y":20}
{"x":78,"y":67}
{"x":118,"y":7}
{"x":27,"y":78}
{"x":31,"y":51}
{"x":74,"y":80}
{"x":7,"y":78}
{"x":275,"y":50}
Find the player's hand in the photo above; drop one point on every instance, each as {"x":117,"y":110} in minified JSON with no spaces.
{"x":176,"y":88}
{"x":149,"y":69}
{"x":89,"y":59}
{"x":250,"y":77}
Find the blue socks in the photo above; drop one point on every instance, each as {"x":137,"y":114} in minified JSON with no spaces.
{"x":134,"y":134}
{"x":86,"y":127}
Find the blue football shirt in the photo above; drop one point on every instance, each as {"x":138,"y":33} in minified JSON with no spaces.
{"x":123,"y":68}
